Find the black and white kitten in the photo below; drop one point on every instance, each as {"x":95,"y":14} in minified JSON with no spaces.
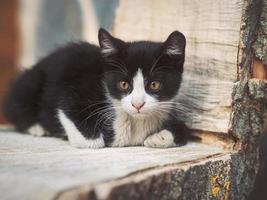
{"x":120,"y":94}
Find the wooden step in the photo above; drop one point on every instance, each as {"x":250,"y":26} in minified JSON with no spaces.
{"x":48,"y":168}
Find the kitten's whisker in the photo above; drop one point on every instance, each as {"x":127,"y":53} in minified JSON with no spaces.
{"x":108,"y":117}
{"x":98,"y":122}
{"x":155,"y":63}
{"x":118,"y":65}
{"x":161,"y":67}
{"x":98,"y":111}
{"x":177,"y":104}
{"x":160,"y":111}
{"x":114,"y":72}
{"x":176,"y":109}
{"x":91,"y":105}
{"x":104,"y":117}
{"x":173,"y":114}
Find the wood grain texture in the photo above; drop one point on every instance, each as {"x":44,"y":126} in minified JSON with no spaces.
{"x":191,"y":180}
{"x":212,"y":31}
{"x":41,"y":168}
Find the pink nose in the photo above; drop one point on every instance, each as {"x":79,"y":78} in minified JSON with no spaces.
{"x":138,"y":106}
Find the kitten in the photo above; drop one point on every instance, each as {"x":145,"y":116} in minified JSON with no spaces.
{"x":120,"y":94}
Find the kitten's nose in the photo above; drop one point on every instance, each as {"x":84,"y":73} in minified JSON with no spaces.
{"x":138,"y":106}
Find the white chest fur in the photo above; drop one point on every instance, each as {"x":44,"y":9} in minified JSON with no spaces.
{"x":129,"y":131}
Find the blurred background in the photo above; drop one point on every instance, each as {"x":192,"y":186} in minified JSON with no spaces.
{"x":30,"y":29}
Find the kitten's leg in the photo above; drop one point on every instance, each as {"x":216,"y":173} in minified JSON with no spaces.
{"x":75,"y":137}
{"x":37,"y":130}
{"x":173,"y":134}
{"x":162,"y":139}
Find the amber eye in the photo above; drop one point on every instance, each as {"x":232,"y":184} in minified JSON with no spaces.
{"x":155,"y":85}
{"x":123,"y":85}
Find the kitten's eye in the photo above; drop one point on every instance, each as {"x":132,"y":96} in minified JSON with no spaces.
{"x":123,"y":85}
{"x":155,"y":85}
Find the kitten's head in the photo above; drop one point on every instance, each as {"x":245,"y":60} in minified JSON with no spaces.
{"x":143,"y":77}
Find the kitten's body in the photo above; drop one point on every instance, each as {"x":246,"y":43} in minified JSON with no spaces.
{"x":74,"y":92}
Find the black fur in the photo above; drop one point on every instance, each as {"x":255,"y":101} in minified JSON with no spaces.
{"x":72,"y":79}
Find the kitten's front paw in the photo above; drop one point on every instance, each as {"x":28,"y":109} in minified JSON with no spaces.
{"x":37,"y":130}
{"x":162,"y":139}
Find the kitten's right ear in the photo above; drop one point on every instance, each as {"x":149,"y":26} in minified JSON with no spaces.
{"x":175,"y":44}
{"x":109,"y":44}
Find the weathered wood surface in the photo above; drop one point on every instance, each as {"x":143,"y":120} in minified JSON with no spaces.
{"x":209,"y":178}
{"x":260,"y":45}
{"x":43,"y":168}
{"x":249,"y":96}
{"x":212,"y":29}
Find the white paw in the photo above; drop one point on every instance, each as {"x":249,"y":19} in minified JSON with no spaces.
{"x":162,"y":139}
{"x":37,"y":130}
{"x":75,"y":137}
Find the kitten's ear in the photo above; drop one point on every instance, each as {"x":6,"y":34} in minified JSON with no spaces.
{"x":175,"y":44}
{"x":109,"y":44}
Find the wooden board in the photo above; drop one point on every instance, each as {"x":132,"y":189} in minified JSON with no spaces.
{"x":41,"y":168}
{"x":212,"y":30}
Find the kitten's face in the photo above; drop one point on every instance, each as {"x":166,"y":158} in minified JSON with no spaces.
{"x":143,"y":77}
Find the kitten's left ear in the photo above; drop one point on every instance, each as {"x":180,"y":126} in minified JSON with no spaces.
{"x":109,"y":44}
{"x":175,"y":44}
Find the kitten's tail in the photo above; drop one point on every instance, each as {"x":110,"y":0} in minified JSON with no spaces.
{"x":21,"y":106}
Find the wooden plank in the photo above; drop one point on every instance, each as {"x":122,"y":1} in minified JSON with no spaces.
{"x":190,"y":180}
{"x":41,"y":168}
{"x":212,"y":31}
